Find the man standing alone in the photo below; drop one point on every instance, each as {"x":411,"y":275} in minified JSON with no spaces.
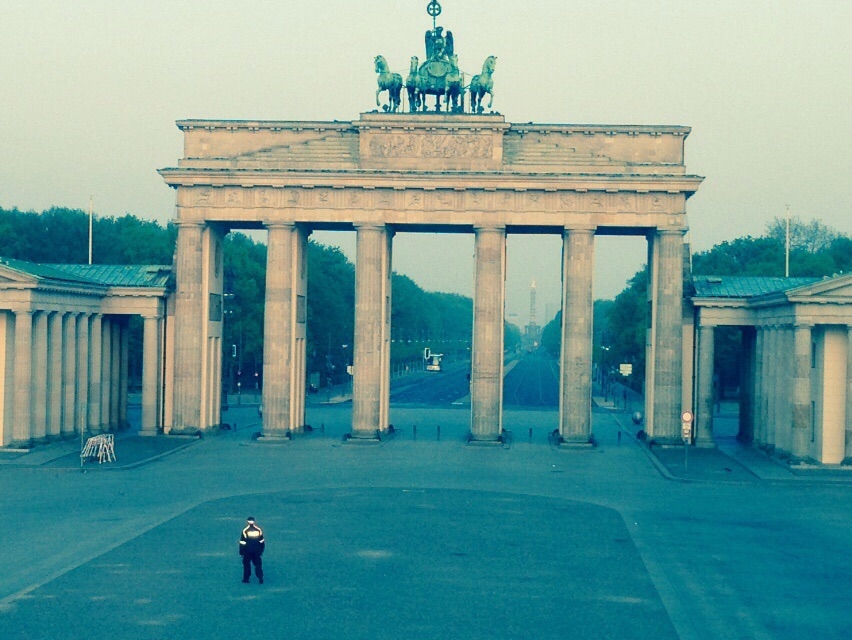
{"x":252,"y":545}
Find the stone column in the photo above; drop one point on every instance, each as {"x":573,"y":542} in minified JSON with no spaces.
{"x":372,"y":261}
{"x":759,"y":417}
{"x":769,"y":373}
{"x":848,"y":452}
{"x":666,"y":336}
{"x":69,"y":375}
{"x":124,"y":373}
{"x":748,"y":364}
{"x":106,"y":371}
{"x":54,"y":394}
{"x":150,"y":377}
{"x":278,"y":331}
{"x":488,"y":316}
{"x":188,"y":319}
{"x":22,"y":424}
{"x":41,"y":376}
{"x":801,"y":396}
{"x":704,"y":399}
{"x":115,"y":372}
{"x":95,"y":362}
{"x":83,"y":362}
{"x":848,"y":446}
{"x":575,"y":424}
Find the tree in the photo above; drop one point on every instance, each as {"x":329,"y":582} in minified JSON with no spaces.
{"x":812,"y":237}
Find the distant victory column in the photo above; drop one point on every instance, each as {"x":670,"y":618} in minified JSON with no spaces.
{"x":532,"y":334}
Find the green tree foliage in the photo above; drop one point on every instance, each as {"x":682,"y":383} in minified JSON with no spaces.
{"x":623,"y":331}
{"x":61,"y":236}
{"x":440,"y":321}
{"x":811,"y":237}
{"x":512,"y":337}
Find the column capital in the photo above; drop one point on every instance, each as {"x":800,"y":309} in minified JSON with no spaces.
{"x":276,"y":224}
{"x":370,"y":226}
{"x":189,"y":223}
{"x":579,"y":228}
{"x":489,"y":227}
{"x":669,"y":232}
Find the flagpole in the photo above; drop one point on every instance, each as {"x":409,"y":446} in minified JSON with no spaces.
{"x":90,"y":228}
{"x":787,"y":246}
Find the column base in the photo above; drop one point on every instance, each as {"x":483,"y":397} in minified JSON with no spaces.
{"x":484,"y":441}
{"x":669,"y":442}
{"x":149,"y":432}
{"x":274,"y":438}
{"x":373,"y":437}
{"x":705,"y":445}
{"x":578,"y":443}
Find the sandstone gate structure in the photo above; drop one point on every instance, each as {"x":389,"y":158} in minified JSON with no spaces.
{"x":429,"y":172}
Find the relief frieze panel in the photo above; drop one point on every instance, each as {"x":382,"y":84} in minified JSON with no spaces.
{"x":519,"y":200}
{"x":431,"y":145}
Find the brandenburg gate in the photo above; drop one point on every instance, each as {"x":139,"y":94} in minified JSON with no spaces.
{"x":435,"y":172}
{"x":441,"y":170}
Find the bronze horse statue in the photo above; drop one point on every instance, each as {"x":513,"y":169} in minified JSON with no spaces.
{"x":390,"y":82}
{"x":454,"y":87}
{"x":411,"y":84}
{"x":482,"y":84}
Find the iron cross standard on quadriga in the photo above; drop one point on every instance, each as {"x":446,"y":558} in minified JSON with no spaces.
{"x":434,"y":10}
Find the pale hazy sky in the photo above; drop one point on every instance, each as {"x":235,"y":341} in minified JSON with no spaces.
{"x":91,"y":90}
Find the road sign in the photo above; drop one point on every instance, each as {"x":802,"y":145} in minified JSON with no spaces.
{"x":625,"y":369}
{"x":686,"y":425}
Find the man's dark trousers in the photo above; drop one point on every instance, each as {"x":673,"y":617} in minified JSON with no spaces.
{"x":248,"y":560}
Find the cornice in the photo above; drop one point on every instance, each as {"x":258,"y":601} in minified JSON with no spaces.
{"x":487,"y":180}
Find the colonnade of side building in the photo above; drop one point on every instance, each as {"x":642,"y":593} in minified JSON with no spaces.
{"x":795,"y":357}
{"x":64,"y":353}
{"x":70,"y":374}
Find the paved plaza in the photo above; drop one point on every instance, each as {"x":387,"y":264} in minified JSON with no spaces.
{"x":423,"y":538}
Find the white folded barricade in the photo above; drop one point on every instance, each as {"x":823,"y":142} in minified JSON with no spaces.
{"x":101,"y":447}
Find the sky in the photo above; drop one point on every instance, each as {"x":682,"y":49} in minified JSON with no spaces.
{"x":91,"y":91}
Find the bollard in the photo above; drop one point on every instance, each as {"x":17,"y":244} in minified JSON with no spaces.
{"x":322,"y":428}
{"x":530,"y":434}
{"x":619,"y":437}
{"x":414,"y":431}
{"x":439,"y":432}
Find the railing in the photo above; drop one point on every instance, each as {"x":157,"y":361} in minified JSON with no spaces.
{"x":101,"y":447}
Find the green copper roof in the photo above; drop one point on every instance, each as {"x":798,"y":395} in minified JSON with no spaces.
{"x":744,"y":286}
{"x":119,"y":275}
{"x":45,"y":271}
{"x":104,"y":275}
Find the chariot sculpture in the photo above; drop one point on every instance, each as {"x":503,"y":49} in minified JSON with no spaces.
{"x":438,"y":76}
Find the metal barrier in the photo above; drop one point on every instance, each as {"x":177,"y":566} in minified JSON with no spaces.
{"x":101,"y":447}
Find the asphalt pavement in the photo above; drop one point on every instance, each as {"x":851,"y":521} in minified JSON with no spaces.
{"x":421,"y":537}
